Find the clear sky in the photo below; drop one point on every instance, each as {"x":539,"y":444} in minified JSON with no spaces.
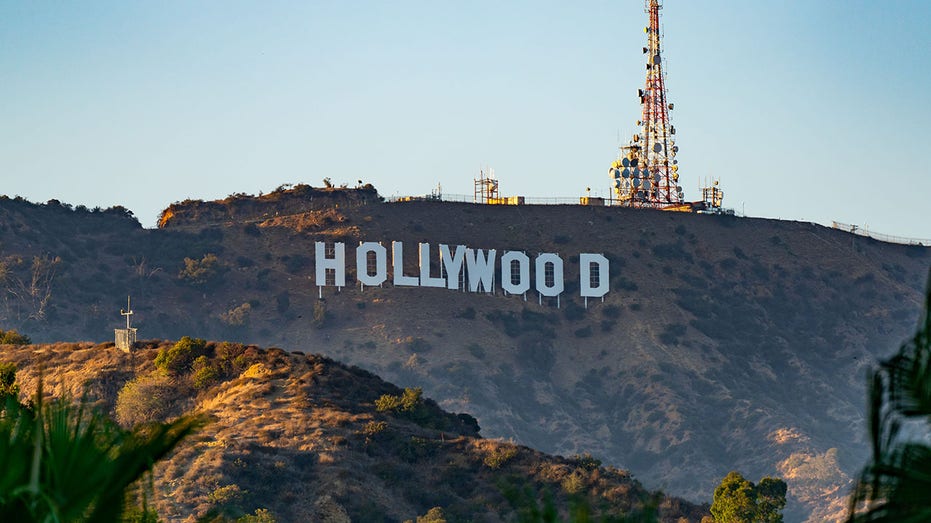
{"x":805,"y":109}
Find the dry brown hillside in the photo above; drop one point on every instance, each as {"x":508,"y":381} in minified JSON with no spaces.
{"x":725,"y":343}
{"x":301,"y":437}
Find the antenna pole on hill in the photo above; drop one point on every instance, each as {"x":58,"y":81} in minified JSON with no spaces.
{"x":126,"y":338}
{"x":128,"y":313}
{"x":646,"y":172}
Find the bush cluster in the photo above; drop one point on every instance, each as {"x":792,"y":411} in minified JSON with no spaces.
{"x":499,"y":456}
{"x":11,"y":337}
{"x":146,"y":399}
{"x":201,"y":272}
{"x":187,"y":366}
{"x":409,"y":401}
{"x":180,"y":357}
{"x":8,"y":386}
{"x":586,"y":461}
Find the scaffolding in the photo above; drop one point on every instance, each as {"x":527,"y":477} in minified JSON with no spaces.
{"x":486,"y":187}
{"x":712,"y":197}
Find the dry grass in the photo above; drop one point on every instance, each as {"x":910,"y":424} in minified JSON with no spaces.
{"x":293,"y":434}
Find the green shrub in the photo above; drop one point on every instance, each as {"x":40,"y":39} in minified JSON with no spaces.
{"x":205,"y":374}
{"x":373,"y":427}
{"x":140,"y":515}
{"x":11,"y":337}
{"x":586,"y":461}
{"x":8,"y":386}
{"x":145,"y":399}
{"x":573,"y":483}
{"x":200,"y":272}
{"x":237,"y":316}
{"x":388,"y":403}
{"x":179,"y":358}
{"x":261,"y":515}
{"x":434,"y":515}
{"x":499,"y":456}
{"x":226,"y":494}
{"x":411,"y":399}
{"x":407,"y":402}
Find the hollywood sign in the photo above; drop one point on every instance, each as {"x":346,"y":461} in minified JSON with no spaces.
{"x":460,"y":268}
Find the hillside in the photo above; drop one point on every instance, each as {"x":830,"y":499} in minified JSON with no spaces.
{"x":301,"y":437}
{"x":725,"y":343}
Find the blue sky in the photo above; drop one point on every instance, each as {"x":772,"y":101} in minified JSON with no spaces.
{"x":806,"y":110}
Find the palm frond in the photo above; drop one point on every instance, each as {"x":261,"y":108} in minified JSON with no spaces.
{"x":63,"y":461}
{"x":895,"y":485}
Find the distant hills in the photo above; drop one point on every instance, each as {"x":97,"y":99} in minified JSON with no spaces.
{"x":724,"y":343}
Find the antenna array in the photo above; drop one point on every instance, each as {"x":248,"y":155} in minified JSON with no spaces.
{"x":646,"y":173}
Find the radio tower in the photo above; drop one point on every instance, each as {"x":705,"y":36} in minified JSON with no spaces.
{"x":646,"y":171}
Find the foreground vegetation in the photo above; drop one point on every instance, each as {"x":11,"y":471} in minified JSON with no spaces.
{"x":66,"y":462}
{"x":895,"y":485}
{"x":293,"y":437}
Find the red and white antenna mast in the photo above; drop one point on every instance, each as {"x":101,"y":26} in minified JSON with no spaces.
{"x":646,"y":171}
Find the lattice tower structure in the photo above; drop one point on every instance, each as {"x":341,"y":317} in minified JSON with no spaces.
{"x":646,"y":172}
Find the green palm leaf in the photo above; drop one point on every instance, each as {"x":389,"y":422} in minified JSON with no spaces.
{"x":896,"y":485}
{"x":66,"y":462}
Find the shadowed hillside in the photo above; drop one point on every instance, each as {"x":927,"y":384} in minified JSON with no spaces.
{"x":725,"y":343}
